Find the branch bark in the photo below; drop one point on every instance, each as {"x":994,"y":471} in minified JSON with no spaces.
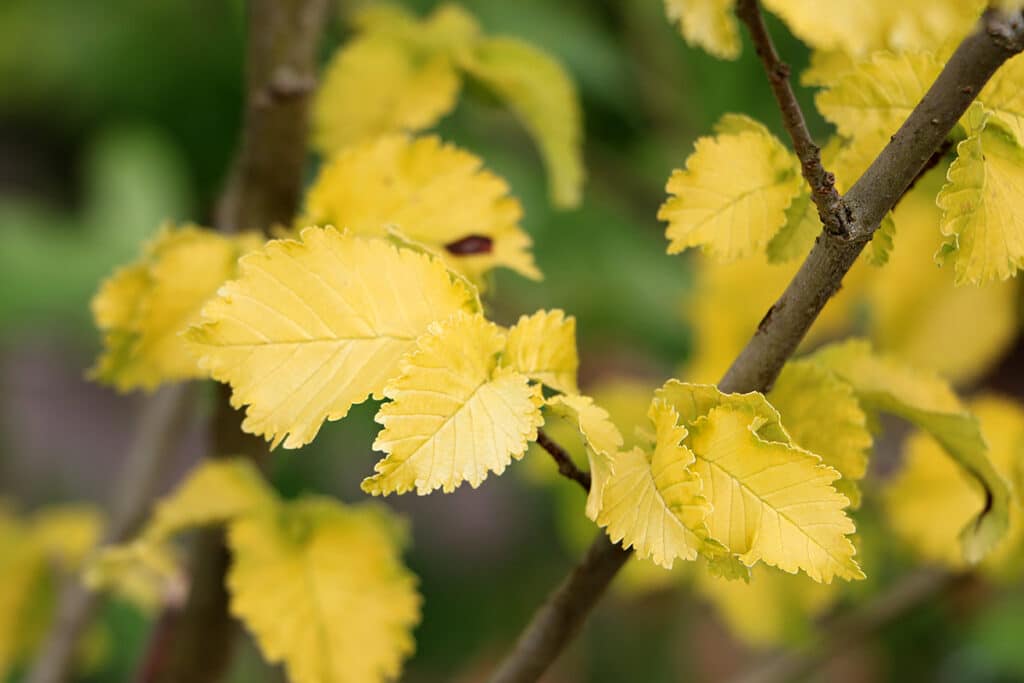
{"x":264,"y":189}
{"x":997,"y":37}
{"x":566,"y":467}
{"x":164,"y":416}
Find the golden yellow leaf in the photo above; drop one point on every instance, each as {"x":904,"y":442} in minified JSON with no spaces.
{"x":148,"y":575}
{"x":435,"y":194}
{"x":542,"y":346}
{"x":822,"y":415}
{"x":879,"y":93}
{"x":538,"y":89}
{"x":143,"y":308}
{"x":653,"y":501}
{"x":859,"y":28}
{"x":1003,"y":97}
{"x":323,"y":591}
{"x":930,"y":500}
{"x":733,"y":195}
{"x":771,"y":501}
{"x":454,"y":413}
{"x":601,"y":437}
{"x":398,"y":74}
{"x":695,"y":401}
{"x":315,"y":326}
{"x":710,"y":24}
{"x":67,"y":533}
{"x":981,"y":200}
{"x":885,"y":385}
{"x":22,"y":567}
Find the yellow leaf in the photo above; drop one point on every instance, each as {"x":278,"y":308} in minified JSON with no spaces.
{"x":143,"y":308}
{"x":214,"y":492}
{"x":315,"y":326}
{"x":822,"y":415}
{"x":67,"y":533}
{"x":885,"y":385}
{"x":1004,"y":98}
{"x":916,"y":312}
{"x":538,"y":89}
{"x":454,"y":414}
{"x":377,"y":84}
{"x":542,"y":346}
{"x":771,"y":501}
{"x":602,"y":438}
{"x":695,"y":401}
{"x":733,"y":196}
{"x":653,"y":501}
{"x":396,"y":75}
{"x":148,"y":575}
{"x":930,"y":500}
{"x":435,"y":194}
{"x":980,"y":201}
{"x":21,"y":568}
{"x":859,"y":28}
{"x":710,"y":24}
{"x":341,"y":606}
{"x":879,"y":93}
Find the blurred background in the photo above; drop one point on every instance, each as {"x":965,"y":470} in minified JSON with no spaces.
{"x":116,"y":115}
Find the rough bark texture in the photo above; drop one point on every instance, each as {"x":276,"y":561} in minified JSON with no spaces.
{"x":997,"y":38}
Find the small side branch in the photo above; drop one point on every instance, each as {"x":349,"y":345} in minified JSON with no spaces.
{"x":566,"y":467}
{"x":822,"y":183}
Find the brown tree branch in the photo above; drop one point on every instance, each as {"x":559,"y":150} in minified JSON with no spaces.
{"x":997,"y":38}
{"x":163,"y":417}
{"x":822,"y":183}
{"x":263,"y":190}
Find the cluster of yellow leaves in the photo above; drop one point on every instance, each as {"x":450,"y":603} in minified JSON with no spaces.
{"x":402,"y":74}
{"x":320,"y":585}
{"x":314,"y":326}
{"x":722,"y":479}
{"x":428,"y":193}
{"x":143,"y":307}
{"x":930,"y":501}
{"x":37,"y":553}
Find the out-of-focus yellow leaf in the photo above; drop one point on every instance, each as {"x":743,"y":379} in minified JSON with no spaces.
{"x":542,"y":346}
{"x":315,"y":326}
{"x":323,"y":590}
{"x":601,"y":437}
{"x":397,"y":74}
{"x":930,"y":500}
{"x":822,"y":415}
{"x":709,"y":24}
{"x":143,"y":308}
{"x":916,"y":313}
{"x":981,"y":202}
{"x":733,"y":195}
{"x":538,"y":89}
{"x":148,"y":575}
{"x":67,"y":533}
{"x":771,"y":501}
{"x":859,"y":28}
{"x":434,"y":193}
{"x":885,"y":385}
{"x":772,"y":609}
{"x":454,"y":413}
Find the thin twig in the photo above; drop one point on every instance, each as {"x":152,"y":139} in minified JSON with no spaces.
{"x":997,"y":38}
{"x":566,"y":467}
{"x":163,"y":419}
{"x":848,"y":630}
{"x":823,"y":184}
